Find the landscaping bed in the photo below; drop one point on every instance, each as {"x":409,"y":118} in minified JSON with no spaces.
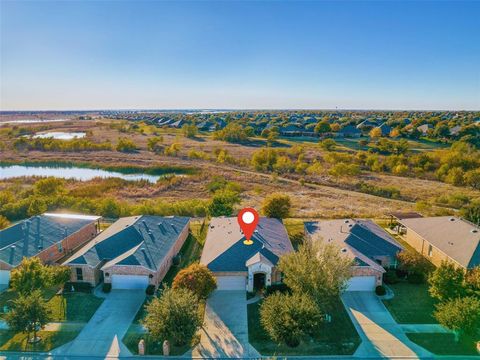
{"x":412,"y":304}
{"x":444,"y":344}
{"x":338,"y":337}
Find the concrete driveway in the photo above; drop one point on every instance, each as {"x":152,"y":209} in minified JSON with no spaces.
{"x":225,"y":328}
{"x":381,"y":335}
{"x":102,"y":336}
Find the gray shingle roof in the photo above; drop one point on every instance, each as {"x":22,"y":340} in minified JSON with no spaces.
{"x":29,"y":237}
{"x":136,"y":240}
{"x":457,"y":238}
{"x":224,"y":249}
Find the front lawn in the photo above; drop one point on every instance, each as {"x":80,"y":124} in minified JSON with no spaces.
{"x":7,"y":296}
{"x":9,"y":341}
{"x":444,"y":344}
{"x":412,"y":304}
{"x":77,"y":306}
{"x":338,"y":337}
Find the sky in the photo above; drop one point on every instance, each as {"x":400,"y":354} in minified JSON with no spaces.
{"x":84,"y":55}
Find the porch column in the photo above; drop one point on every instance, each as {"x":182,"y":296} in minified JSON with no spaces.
{"x":250,"y":280}
{"x":268,"y":278}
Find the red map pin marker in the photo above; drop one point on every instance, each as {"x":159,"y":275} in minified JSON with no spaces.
{"x":248,"y":220}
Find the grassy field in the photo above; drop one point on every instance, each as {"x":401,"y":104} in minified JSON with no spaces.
{"x":444,"y":344}
{"x":338,"y":337}
{"x":411,"y":304}
{"x":9,"y":341}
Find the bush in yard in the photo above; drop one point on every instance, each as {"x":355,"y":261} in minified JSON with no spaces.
{"x":461,"y":315}
{"x":197,"y":278}
{"x":380,"y":290}
{"x":107,"y":287}
{"x":276,"y":206}
{"x":150,"y":290}
{"x":173,"y":316}
{"x":414,"y":263}
{"x":446,"y":282}
{"x":472,"y":278}
{"x":390,"y":277}
{"x":289,"y":318}
{"x":4,"y":222}
{"x":78,"y":287}
{"x":415,"y":278}
{"x":276,"y":288}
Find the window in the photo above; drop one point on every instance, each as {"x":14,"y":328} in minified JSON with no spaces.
{"x":79,"y":274}
{"x":59,"y":247}
{"x":430,"y":250}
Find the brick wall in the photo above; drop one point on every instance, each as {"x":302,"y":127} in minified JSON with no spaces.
{"x":368,"y":271}
{"x":51,"y":254}
{"x":90,"y":274}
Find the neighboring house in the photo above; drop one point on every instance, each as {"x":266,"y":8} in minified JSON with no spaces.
{"x":349,"y":131}
{"x":49,"y":237}
{"x":385,"y":129}
{"x":454,"y":131}
{"x":367,"y":244}
{"x":444,"y":238}
{"x":245,"y":267}
{"x":424,"y":128}
{"x":132,"y":253}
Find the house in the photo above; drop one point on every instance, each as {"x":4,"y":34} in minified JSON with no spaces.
{"x":454,"y":131}
{"x":349,"y":131}
{"x":385,"y":129}
{"x":444,"y":238}
{"x":132,"y":253}
{"x":49,"y":237}
{"x":245,"y":267}
{"x":367,"y":244}
{"x":424,"y":128}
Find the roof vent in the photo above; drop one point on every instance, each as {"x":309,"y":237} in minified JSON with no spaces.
{"x":350,"y":225}
{"x":474,"y":231}
{"x":347,"y":221}
{"x":344,"y":250}
{"x":452,"y":219}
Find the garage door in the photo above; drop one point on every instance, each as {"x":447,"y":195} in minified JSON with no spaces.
{"x":4,"y":277}
{"x":361,"y":283}
{"x":231,"y":283}
{"x":129,"y":282}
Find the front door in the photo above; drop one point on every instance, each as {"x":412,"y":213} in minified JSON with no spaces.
{"x":258,"y":281}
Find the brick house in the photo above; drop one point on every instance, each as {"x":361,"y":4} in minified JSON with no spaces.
{"x":244,"y":267}
{"x":367,"y":244}
{"x":132,"y":253}
{"x":442,"y":238}
{"x":49,"y":237}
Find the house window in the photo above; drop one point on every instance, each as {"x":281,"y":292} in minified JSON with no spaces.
{"x":430,"y":250}
{"x":79,"y":274}
{"x":59,"y":247}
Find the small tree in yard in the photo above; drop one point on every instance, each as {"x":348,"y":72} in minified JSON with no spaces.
{"x":317,"y":269}
{"x":414,"y":263}
{"x":472,"y":278}
{"x":173,"y":316}
{"x":461,"y":315}
{"x":3,"y":222}
{"x":29,"y":314}
{"x":446,"y":282}
{"x":197,"y":278}
{"x":276,"y":206}
{"x":288,"y":318}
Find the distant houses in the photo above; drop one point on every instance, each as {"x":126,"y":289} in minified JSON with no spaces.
{"x":49,"y":237}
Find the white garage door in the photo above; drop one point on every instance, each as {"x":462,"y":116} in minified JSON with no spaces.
{"x":4,"y":277}
{"x":129,"y":282}
{"x":361,"y":283}
{"x":231,"y":283}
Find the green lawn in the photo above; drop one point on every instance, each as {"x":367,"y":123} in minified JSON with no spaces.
{"x":74,"y":306}
{"x":338,"y":337}
{"x":9,"y":341}
{"x":7,"y":296}
{"x":411,"y":304}
{"x":445,"y":344}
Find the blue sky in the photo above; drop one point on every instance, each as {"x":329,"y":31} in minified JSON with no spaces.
{"x":275,"y":54}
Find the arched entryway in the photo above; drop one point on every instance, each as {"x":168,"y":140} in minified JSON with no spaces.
{"x":259,"y":280}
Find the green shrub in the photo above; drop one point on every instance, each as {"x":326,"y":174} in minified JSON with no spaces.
{"x":390,"y":277}
{"x":150,"y":290}
{"x":107,"y":287}
{"x":276,"y":287}
{"x":380,"y":290}
{"x":78,"y":287}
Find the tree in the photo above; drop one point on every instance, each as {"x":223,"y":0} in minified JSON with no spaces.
{"x":155,"y":144}
{"x":233,"y":133}
{"x":471,"y":212}
{"x":173,"y":316}
{"x":317,"y":269}
{"x":196,"y":278}
{"x":472,"y":179}
{"x":126,"y":145}
{"x":3,"y":222}
{"x":276,"y":206}
{"x":414,"y":263}
{"x":49,"y":186}
{"x":29,"y":314}
{"x":376,"y":132}
{"x":289,"y":318}
{"x":322,"y":127}
{"x":37,"y":206}
{"x":328,"y":144}
{"x":189,"y":130}
{"x":59,"y":275}
{"x":109,"y":208}
{"x":446,"y":282}
{"x":341,"y":169}
{"x":461,"y":315}
{"x":30,"y":275}
{"x":222,"y":203}
{"x":472,"y":278}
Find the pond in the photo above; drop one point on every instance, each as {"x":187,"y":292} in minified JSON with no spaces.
{"x":59,"y":135}
{"x":31,"y":121}
{"x":71,"y":172}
